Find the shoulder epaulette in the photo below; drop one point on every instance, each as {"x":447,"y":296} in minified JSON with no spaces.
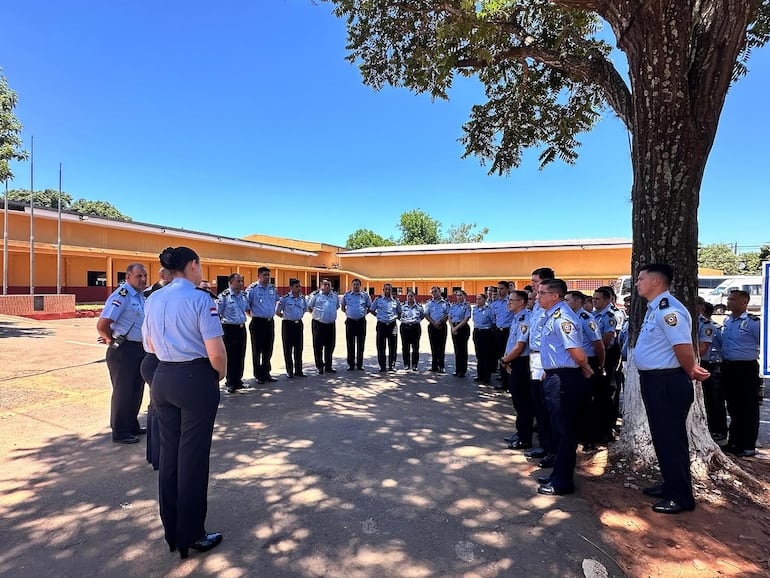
{"x":610,"y":314}
{"x":252,"y":285}
{"x":584,"y":314}
{"x":557,"y":313}
{"x":752,"y":316}
{"x":123,"y":292}
{"x":225,"y":293}
{"x":206,"y":291}
{"x":521,"y":318}
{"x":663,"y":303}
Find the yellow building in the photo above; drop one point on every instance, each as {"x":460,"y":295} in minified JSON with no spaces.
{"x":95,"y":252}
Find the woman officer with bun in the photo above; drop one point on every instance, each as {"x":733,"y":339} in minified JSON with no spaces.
{"x":182,"y":328}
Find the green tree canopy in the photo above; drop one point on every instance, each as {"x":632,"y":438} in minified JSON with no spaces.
{"x":463,"y":233}
{"x":10,"y":131}
{"x":98,"y":209}
{"x":419,"y":228}
{"x":718,"y":256}
{"x":49,"y":199}
{"x":362,"y":238}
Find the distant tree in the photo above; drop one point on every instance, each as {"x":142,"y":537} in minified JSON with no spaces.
{"x":462,"y":234}
{"x":419,"y":228}
{"x":10,"y":131}
{"x":752,"y":265}
{"x":362,"y":238}
{"x":49,"y":198}
{"x":98,"y":209}
{"x":764,"y":253}
{"x":718,"y":256}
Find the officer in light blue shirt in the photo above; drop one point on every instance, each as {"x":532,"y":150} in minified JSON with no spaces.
{"x":232,"y":304}
{"x":740,"y":374}
{"x":120,"y":327}
{"x":503,"y":319}
{"x":516,"y":366}
{"x":355,"y":304}
{"x":263,"y":298}
{"x":459,"y":315}
{"x":323,"y":307}
{"x":386,"y":309}
{"x":411,"y":331}
{"x":484,"y":339}
{"x":292,"y":307}
{"x":437,"y":313}
{"x":536,"y":320}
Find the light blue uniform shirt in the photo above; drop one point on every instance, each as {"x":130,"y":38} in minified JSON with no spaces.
{"x":561,"y":331}
{"x":536,"y":320}
{"x":293,"y":308}
{"x":623,"y":340}
{"x":589,"y":332}
{"x":411,"y":315}
{"x":262,"y":300}
{"x":740,"y":338}
{"x":179,"y":319}
{"x":503,"y":318}
{"x":666,"y":323}
{"x":715,"y":352}
{"x":436,"y":309}
{"x":607,"y":322}
{"x":706,"y":329}
{"x":519,"y":332}
{"x":483,"y":317}
{"x":459,"y":311}
{"x":356,"y":305}
{"x":386,"y":310}
{"x":324,"y":307}
{"x":125,"y":306}
{"x":232,"y":307}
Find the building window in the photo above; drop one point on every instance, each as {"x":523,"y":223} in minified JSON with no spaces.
{"x":97,"y":278}
{"x":121,"y":277}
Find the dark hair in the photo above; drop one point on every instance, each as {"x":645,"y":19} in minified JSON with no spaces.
{"x":556,"y":285}
{"x":708,"y":309}
{"x":661,"y":269}
{"x":503,"y":283}
{"x":521,"y":295}
{"x":579,"y":295}
{"x":610,"y":289}
{"x":606,"y":293}
{"x":744,"y":294}
{"x":527,"y":288}
{"x":263,"y":270}
{"x":232,"y":277}
{"x":544,"y":273}
{"x":354,"y":280}
{"x":132,"y":266}
{"x":293,"y":282}
{"x":176,"y":258}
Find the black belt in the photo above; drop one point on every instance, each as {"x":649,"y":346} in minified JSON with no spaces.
{"x":195,"y":361}
{"x":483,"y":328}
{"x":558,"y":370}
{"x":739,"y":360}
{"x":534,"y":351}
{"x":292,"y":321}
{"x":234,"y":324}
{"x":667,"y":371}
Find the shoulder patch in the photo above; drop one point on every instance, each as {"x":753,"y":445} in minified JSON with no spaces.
{"x":566,"y":327}
{"x":709,"y":332}
{"x":592,"y":325}
{"x":663,"y":303}
{"x":671,"y":319}
{"x":752,"y":316}
{"x":524,"y":328}
{"x":123,"y":292}
{"x":584,"y":315}
{"x":612,"y":322}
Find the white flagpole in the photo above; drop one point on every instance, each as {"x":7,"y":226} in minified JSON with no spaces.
{"x":32,"y":217}
{"x":5,"y":241}
{"x":58,"y":243}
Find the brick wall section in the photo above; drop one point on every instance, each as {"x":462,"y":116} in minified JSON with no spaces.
{"x":54,"y":306}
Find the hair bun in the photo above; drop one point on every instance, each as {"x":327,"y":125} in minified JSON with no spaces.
{"x":169,"y":258}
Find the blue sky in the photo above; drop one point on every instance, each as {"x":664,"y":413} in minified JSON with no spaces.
{"x":243,"y":117}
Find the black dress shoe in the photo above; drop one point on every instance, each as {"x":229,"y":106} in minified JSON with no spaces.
{"x":668,"y":507}
{"x":382,"y":370}
{"x":441,"y":370}
{"x":205,"y":544}
{"x":320,"y":371}
{"x":126,"y":440}
{"x":654,"y":491}
{"x":535,"y":453}
{"x":744,"y":453}
{"x":511,"y":438}
{"x":549,"y":490}
{"x":547,"y":462}
{"x":543,"y":480}
{"x":299,"y":374}
{"x":230,"y":389}
{"x":332,"y":370}
{"x":477,"y":378}
{"x":360,"y":368}
{"x":290,"y":375}
{"x":260,"y":381}
{"x":519,"y":445}
{"x":140,"y":432}
{"x":499,"y":388}
{"x":351,"y":368}
{"x":271,"y":379}
{"x":718,"y":437}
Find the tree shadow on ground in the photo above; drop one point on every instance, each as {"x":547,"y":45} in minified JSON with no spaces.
{"x":14,"y":329}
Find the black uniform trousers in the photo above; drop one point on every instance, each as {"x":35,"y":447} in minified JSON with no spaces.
{"x":614,"y":381}
{"x":593,"y":427}
{"x":566,"y":393}
{"x":605,"y":390}
{"x":292,"y":334}
{"x":667,"y":395}
{"x":152,"y":453}
{"x":437,"y":338}
{"x":741,"y":386}
{"x":484,"y":342}
{"x":262,"y":333}
{"x":714,"y":399}
{"x":386,"y":334}
{"x":460,"y":343}
{"x":542,"y":417}
{"x":235,"y":345}
{"x":186,"y":397}
{"x":521,"y":395}
{"x":410,"y":344}
{"x":124,"y":364}
{"x":324,"y":340}
{"x":501,"y":340}
{"x":355,"y":335}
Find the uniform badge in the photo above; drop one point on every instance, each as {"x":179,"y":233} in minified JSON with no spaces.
{"x":566,"y":327}
{"x":709,"y":332}
{"x":612,"y":321}
{"x":557,"y":313}
{"x":123,"y":292}
{"x":670,"y":319}
{"x":524,"y":329}
{"x":663,"y":303}
{"x":592,"y":325}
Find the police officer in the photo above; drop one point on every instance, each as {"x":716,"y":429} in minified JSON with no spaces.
{"x":164,"y":278}
{"x":291,"y":308}
{"x":713,"y":398}
{"x":459,"y":315}
{"x":566,"y":387}
{"x":386,"y":309}
{"x":515,"y":362}
{"x":665,"y":358}
{"x":323,"y":306}
{"x":411,"y":331}
{"x":483,"y":340}
{"x":183,"y":330}
{"x":593,"y":346}
{"x":605,"y":318}
{"x":740,"y":374}
{"x":231,"y":306}
{"x":263,"y":298}
{"x":120,"y":327}
{"x":355,"y":304}
{"x":503,"y":320}
{"x":437,"y":313}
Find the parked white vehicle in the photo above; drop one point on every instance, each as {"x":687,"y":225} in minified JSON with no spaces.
{"x":706,"y":285}
{"x":752,"y":284}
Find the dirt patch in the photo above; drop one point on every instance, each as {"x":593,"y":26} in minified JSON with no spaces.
{"x":726,"y":535}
